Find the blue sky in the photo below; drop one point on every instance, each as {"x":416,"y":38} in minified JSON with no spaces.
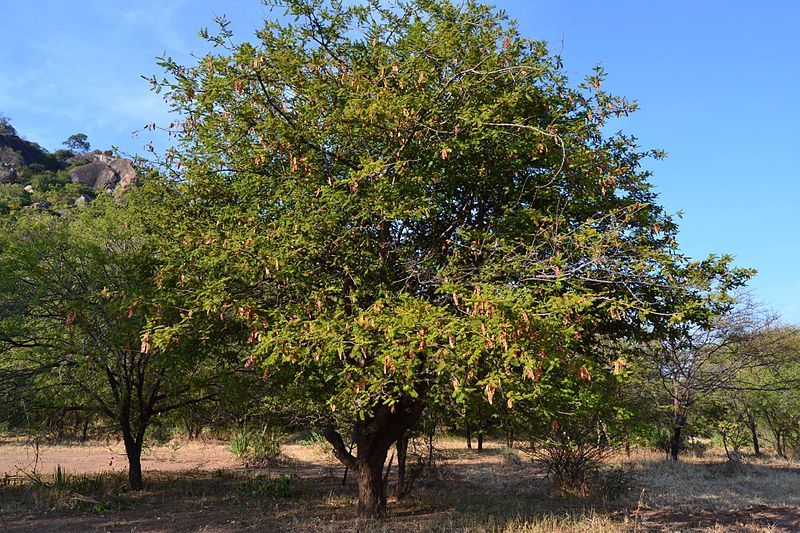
{"x":715,"y":80}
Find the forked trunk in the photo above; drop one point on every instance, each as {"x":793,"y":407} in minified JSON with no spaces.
{"x":373,"y":437}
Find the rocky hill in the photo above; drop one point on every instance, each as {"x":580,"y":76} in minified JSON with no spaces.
{"x":33,"y":178}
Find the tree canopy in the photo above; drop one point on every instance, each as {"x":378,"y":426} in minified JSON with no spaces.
{"x":78,"y":142}
{"x":406,"y":202}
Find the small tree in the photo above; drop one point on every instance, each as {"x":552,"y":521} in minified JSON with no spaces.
{"x":78,"y":143}
{"x":5,"y":126}
{"x":76,"y":303}
{"x":701,"y":358}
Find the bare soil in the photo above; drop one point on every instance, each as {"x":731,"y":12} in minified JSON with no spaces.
{"x":200,"y":486}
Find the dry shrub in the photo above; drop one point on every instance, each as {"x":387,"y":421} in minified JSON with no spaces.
{"x":575,"y":467}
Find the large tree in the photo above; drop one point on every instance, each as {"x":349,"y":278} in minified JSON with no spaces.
{"x":410,"y":202}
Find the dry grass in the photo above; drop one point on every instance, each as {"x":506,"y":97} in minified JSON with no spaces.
{"x":497,"y":490}
{"x":710,"y":484}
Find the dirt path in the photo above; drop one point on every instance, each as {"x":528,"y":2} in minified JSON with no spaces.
{"x":18,"y":456}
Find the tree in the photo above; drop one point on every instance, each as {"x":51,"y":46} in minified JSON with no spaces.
{"x":698,"y":359}
{"x":5,"y":126}
{"x":77,"y":299}
{"x":78,"y":143}
{"x":408,"y":203}
{"x":770,"y":394}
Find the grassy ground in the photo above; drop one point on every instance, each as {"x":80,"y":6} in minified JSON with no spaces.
{"x":494,"y":490}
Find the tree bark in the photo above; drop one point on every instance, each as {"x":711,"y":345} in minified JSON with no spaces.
{"x":469,"y":436}
{"x":373,"y":437}
{"x":402,"y":453}
{"x":675,"y":442}
{"x":678,"y":420}
{"x":85,"y":432}
{"x":779,"y":445}
{"x":133,"y":450}
{"x":371,"y":497}
{"x":480,"y":428}
{"x":751,"y":424}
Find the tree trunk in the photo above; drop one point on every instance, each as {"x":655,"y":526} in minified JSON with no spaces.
{"x":373,"y":438}
{"x":469,"y":436}
{"x":675,"y":443}
{"x":371,"y":498}
{"x":85,"y":431}
{"x":751,"y":425}
{"x":480,"y":427}
{"x":133,"y":450}
{"x":402,"y":452}
{"x":678,"y":420}
{"x":779,"y":445}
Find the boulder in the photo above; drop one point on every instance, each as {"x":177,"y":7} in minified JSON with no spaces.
{"x":103,"y":172}
{"x":96,"y":175}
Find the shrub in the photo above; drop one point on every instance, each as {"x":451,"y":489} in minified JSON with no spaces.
{"x":265,"y":485}
{"x":614,"y":483}
{"x":573,"y":464}
{"x":657,"y":438}
{"x":256,"y":446}
{"x":698,"y":448}
{"x":510,"y":457}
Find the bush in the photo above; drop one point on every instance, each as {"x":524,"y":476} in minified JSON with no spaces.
{"x":572,"y":464}
{"x":657,"y":438}
{"x":263,"y":485}
{"x":614,"y":483}
{"x":698,"y":448}
{"x":510,"y":457}
{"x":256,"y":446}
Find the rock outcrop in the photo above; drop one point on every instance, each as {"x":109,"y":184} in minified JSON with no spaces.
{"x":20,"y":160}
{"x":16,"y":152}
{"x":103,"y":172}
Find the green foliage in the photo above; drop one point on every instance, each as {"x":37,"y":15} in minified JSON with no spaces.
{"x":79,"y":295}
{"x":732,"y":436}
{"x":13,"y":197}
{"x":772,"y":395}
{"x":311,"y":438}
{"x":256,"y":446}
{"x":265,"y":485}
{"x":390,"y":217}
{"x":77,"y":142}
